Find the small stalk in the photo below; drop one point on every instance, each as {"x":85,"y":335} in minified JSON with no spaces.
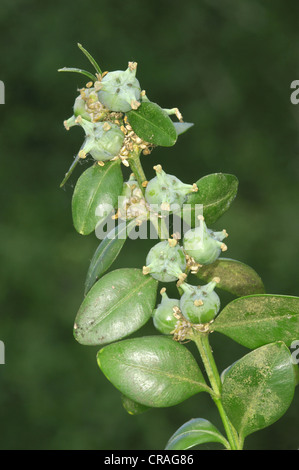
{"x":70,"y":171}
{"x":202,"y":342}
{"x":136,"y":167}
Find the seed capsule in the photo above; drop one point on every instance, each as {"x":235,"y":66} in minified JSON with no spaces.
{"x":200,"y":304}
{"x":80,"y":108}
{"x":163,"y":316}
{"x":120,"y":90}
{"x":165,"y":263}
{"x":204,"y":245}
{"x":167,"y":190}
{"x":102,"y":142}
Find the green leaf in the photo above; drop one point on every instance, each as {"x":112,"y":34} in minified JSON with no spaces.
{"x":132,"y":407}
{"x":259,"y":388}
{"x":256,"y":320}
{"x":153,"y":370}
{"x":195,"y":432}
{"x":97,"y":185}
{"x":152,"y":124}
{"x":107,"y":252}
{"x":182,"y":127}
{"x":216,"y":193}
{"x":90,"y":58}
{"x":91,"y":76}
{"x":235,"y":277}
{"x":118,"y":304}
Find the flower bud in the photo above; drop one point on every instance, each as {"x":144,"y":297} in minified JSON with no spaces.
{"x":163,"y":318}
{"x":204,"y":245}
{"x":120,"y":90}
{"x":165,"y":262}
{"x":167,"y":190}
{"x":200,"y":304}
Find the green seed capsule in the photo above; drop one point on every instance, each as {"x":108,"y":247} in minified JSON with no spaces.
{"x":167,"y":190}
{"x":165,"y":262}
{"x":120,"y":90}
{"x":103,"y":140}
{"x":80,"y":108}
{"x":200,"y":304}
{"x":203,"y":244}
{"x":163,"y":318}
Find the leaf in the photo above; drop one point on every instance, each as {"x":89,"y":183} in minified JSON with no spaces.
{"x":259,"y":388}
{"x":107,"y":252}
{"x":216,"y":193}
{"x":153,"y":370}
{"x":90,"y":58}
{"x":256,"y":320}
{"x":195,"y":432}
{"x":182,"y":127}
{"x":152,"y":124}
{"x":81,"y":71}
{"x":132,"y":407}
{"x":97,"y":185}
{"x":235,"y":277}
{"x":118,"y":304}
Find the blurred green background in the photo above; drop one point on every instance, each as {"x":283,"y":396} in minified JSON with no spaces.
{"x":227,"y":65}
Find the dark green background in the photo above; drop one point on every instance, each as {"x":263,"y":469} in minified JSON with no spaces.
{"x":228,"y":66}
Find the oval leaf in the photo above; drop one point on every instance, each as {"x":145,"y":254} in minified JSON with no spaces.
{"x":107,"y":252}
{"x":195,"y":432}
{"x":118,"y":304}
{"x":97,"y":185}
{"x":256,"y":320}
{"x":235,"y":277}
{"x":152,"y":124}
{"x":132,"y":407}
{"x":259,"y":388}
{"x":216,"y":193}
{"x":154,"y":370}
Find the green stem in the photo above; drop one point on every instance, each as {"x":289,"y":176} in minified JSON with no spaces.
{"x":201,"y":339}
{"x":137,"y":169}
{"x":202,"y":342}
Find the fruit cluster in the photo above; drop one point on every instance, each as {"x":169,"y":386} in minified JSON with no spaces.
{"x":167,"y":261}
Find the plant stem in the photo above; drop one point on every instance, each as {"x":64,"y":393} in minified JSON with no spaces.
{"x":202,"y":342}
{"x":136,"y":167}
{"x":201,"y":339}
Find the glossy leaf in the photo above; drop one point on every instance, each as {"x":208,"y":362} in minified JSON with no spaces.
{"x":97,"y":185}
{"x":107,"y":252}
{"x":256,"y":320}
{"x":152,"y":124}
{"x":235,"y":277}
{"x":118,"y":304}
{"x":259,"y":388}
{"x":182,"y":127}
{"x":195,"y":432}
{"x":216,"y":193}
{"x":153,"y":370}
{"x":132,"y":407}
